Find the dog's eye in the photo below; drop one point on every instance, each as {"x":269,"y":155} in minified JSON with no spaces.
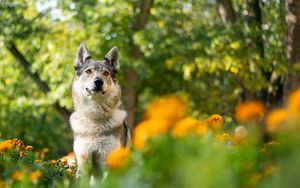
{"x":88,"y":71}
{"x":105,"y":73}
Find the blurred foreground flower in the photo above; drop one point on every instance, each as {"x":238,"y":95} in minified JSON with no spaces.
{"x":35,"y":175}
{"x":117,"y":158}
{"x":148,"y":129}
{"x":171,"y":107}
{"x":275,"y":119}
{"x":17,"y":176}
{"x":5,"y":146}
{"x":249,"y":110}
{"x":294,"y":102}
{"x":184,"y":126}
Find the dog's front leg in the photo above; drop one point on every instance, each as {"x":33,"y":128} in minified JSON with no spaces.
{"x":82,"y":154}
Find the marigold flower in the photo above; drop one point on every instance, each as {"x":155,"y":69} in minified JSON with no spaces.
{"x":22,"y":154}
{"x":17,"y":176}
{"x":184,"y":126}
{"x":215,"y":121}
{"x":275,"y":119}
{"x":249,"y":110}
{"x":294,"y":102}
{"x":117,"y":158}
{"x":223,"y":137}
{"x":201,"y":128}
{"x":29,"y":148}
{"x":53,"y":162}
{"x":70,"y":172}
{"x":5,"y":146}
{"x":35,"y":175}
{"x":171,"y":107}
{"x":45,"y":150}
{"x":148,"y":129}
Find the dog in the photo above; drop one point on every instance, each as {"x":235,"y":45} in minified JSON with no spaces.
{"x":98,"y":122}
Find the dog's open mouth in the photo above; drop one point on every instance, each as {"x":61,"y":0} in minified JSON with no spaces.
{"x":95,"y":91}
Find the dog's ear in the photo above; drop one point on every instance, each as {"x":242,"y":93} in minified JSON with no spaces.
{"x":82,"y":56}
{"x":112,"y":59}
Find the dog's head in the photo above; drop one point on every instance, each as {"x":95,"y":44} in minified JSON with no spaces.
{"x":95,"y":78}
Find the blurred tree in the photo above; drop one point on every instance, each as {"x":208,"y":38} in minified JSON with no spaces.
{"x":293,"y":45}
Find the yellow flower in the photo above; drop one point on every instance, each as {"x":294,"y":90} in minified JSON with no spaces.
{"x":37,"y":161}
{"x":275,"y":119}
{"x":17,"y":176}
{"x":294,"y":102}
{"x":201,"y":128}
{"x":184,"y":126}
{"x":148,"y":129}
{"x":223,"y":137}
{"x":215,"y":121}
{"x":29,"y":148}
{"x":5,"y":146}
{"x":117,"y":158}
{"x":35,"y":175}
{"x":171,"y":107}
{"x":249,"y":110}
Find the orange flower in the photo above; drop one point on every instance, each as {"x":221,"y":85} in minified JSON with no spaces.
{"x":5,"y":146}
{"x":171,"y":107}
{"x":53,"y":162}
{"x":117,"y":158}
{"x":70,"y":172}
{"x":17,"y":176}
{"x":202,"y":128}
{"x":249,"y":110}
{"x":35,"y":175}
{"x":275,"y":119}
{"x":148,"y":129}
{"x":45,"y":150}
{"x":29,"y":148}
{"x":215,"y":121}
{"x":22,"y":154}
{"x":184,"y":126}
{"x":294,"y":102}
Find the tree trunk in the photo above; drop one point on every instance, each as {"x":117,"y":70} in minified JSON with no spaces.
{"x":131,"y":74}
{"x":226,"y":11}
{"x":65,"y":114}
{"x":292,"y":81}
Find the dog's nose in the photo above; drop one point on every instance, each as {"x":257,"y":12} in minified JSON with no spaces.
{"x":98,"y":82}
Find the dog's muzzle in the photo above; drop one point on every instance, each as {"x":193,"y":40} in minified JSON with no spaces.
{"x":98,"y":83}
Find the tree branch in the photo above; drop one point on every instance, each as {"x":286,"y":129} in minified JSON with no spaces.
{"x":36,"y":78}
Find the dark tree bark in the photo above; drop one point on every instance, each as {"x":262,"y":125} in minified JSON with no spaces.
{"x":292,"y":81}
{"x":43,"y":86}
{"x":131,"y":74}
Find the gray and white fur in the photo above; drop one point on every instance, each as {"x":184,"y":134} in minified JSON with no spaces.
{"x":98,"y":123}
